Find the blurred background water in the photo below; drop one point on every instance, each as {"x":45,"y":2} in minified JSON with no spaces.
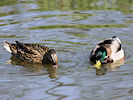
{"x":72,"y":27}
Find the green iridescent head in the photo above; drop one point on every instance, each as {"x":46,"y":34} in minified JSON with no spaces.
{"x":101,"y":55}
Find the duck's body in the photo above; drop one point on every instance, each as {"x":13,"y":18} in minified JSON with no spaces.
{"x":108,"y":50}
{"x":33,"y":53}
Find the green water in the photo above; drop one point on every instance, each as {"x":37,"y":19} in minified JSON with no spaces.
{"x":72,"y":27}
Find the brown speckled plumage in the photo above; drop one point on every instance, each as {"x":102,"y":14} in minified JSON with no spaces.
{"x":31,"y":52}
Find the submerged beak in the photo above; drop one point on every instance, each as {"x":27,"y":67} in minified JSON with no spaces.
{"x":98,"y":64}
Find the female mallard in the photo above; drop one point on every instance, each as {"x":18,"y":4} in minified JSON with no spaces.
{"x":108,"y":50}
{"x":33,"y":53}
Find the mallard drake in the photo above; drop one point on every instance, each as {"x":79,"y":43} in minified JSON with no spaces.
{"x":109,"y":50}
{"x":32,"y":53}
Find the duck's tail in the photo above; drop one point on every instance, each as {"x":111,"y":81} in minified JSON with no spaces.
{"x":7,"y":47}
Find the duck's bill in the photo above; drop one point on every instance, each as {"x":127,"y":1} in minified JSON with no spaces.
{"x":98,"y":64}
{"x":54,"y":66}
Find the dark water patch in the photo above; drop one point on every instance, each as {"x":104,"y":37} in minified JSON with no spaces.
{"x":4,"y":24}
{"x":1,"y":20}
{"x":45,"y":5}
{"x":79,"y":35}
{"x":11,"y":36}
{"x":32,"y":10}
{"x":8,"y":2}
{"x":65,"y":51}
{"x":9,"y":23}
{"x":9,"y":13}
{"x":47,"y":16}
{"x":129,"y":62}
{"x":128,"y":21}
{"x":77,"y":26}
{"x":17,"y":22}
{"x":25,"y":1}
{"x":59,"y":41}
{"x":127,"y":43}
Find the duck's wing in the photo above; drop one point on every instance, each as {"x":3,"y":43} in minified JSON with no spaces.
{"x":29,"y":57}
{"x":106,"y":43}
{"x":31,"y":52}
{"x":32,"y":48}
{"x":27,"y":52}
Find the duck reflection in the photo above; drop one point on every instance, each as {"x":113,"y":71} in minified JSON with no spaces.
{"x":101,"y":71}
{"x":108,"y":67}
{"x":34,"y":67}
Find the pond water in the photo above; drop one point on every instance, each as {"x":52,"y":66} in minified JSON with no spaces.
{"x":72,"y":27}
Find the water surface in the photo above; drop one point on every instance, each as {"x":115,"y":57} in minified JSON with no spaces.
{"x":72,"y":27}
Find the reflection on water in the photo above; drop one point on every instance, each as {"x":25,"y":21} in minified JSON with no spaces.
{"x":110,"y":66}
{"x":72,"y":27}
{"x":33,"y":67}
{"x":101,"y":71}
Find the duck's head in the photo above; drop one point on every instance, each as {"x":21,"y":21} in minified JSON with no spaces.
{"x":51,"y":57}
{"x":99,"y":55}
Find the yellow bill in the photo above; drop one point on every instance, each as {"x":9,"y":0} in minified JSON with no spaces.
{"x":98,"y":64}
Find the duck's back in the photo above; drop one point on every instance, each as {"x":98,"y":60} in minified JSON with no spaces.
{"x":27,"y":52}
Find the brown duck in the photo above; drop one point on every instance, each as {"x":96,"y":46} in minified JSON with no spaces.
{"x":32,"y":53}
